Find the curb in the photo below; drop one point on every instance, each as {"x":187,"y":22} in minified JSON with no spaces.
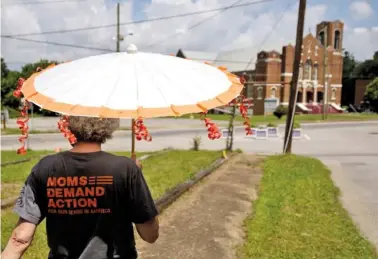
{"x":24,"y":160}
{"x":173,"y":194}
{"x":191,"y":129}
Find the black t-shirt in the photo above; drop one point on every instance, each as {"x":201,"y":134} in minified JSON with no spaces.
{"x":90,"y":201}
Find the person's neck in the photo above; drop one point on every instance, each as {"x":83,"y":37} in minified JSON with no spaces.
{"x":85,"y":147}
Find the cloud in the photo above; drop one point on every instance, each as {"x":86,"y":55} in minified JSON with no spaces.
{"x":244,"y":28}
{"x":367,"y":37}
{"x":360,"y":10}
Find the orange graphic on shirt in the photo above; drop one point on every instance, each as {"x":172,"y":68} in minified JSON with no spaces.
{"x":76,"y":194}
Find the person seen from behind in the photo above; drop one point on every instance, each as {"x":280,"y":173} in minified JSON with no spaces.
{"x":89,"y":197}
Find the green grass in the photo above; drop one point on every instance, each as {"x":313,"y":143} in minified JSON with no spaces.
{"x":162,"y":172}
{"x":10,"y":156}
{"x":298,"y":215}
{"x":16,"y":131}
{"x":300,"y":118}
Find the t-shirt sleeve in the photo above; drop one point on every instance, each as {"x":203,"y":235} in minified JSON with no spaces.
{"x":29,"y":203}
{"x":143,"y":207}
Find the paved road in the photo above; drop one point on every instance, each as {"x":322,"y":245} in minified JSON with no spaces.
{"x":181,"y":137}
{"x":50,"y":123}
{"x":349,"y":149}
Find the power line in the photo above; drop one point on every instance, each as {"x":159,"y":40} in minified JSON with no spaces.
{"x":271,"y":31}
{"x":138,"y":21}
{"x":43,"y":2}
{"x":58,"y":44}
{"x":201,"y":22}
{"x":110,"y":50}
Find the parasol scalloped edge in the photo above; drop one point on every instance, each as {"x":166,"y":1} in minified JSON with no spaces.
{"x":46,"y":90}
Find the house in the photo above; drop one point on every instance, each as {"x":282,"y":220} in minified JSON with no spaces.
{"x":268,"y":83}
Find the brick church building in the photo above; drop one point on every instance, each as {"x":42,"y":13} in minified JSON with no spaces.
{"x":268,"y":85}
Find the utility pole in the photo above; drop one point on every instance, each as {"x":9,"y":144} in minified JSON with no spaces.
{"x":325,"y":76}
{"x":294,"y":82}
{"x":118,"y":37}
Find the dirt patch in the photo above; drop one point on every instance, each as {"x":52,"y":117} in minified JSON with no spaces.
{"x":9,"y":194}
{"x":206,"y":222}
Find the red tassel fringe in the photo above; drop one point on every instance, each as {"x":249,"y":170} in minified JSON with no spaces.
{"x":213,"y":130}
{"x":22,"y":121}
{"x":141,"y":131}
{"x":244,"y":113}
{"x":63,"y":127}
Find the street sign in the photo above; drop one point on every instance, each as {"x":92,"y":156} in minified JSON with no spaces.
{"x":225,"y":133}
{"x":270,"y":105}
{"x":261,"y":133}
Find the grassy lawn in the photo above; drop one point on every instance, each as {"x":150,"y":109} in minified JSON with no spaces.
{"x":162,"y":172}
{"x":256,"y":119}
{"x":11,"y":155}
{"x":298,"y":215}
{"x":15,"y":131}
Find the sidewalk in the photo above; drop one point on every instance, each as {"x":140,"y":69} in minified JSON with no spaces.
{"x":207,"y":221}
{"x":358,"y":200}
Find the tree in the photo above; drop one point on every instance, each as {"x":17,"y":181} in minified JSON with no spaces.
{"x":29,"y":69}
{"x":371,"y":94}
{"x":367,"y":69}
{"x":349,"y":64}
{"x":8,"y":85}
{"x":4,"y":69}
{"x":375,"y":55}
{"x":9,"y":82}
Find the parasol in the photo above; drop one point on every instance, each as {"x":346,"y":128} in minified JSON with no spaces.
{"x":133,"y":85}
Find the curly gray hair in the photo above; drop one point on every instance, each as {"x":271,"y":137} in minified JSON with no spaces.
{"x":90,"y":129}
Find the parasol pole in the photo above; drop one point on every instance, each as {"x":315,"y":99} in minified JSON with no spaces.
{"x":133,"y":155}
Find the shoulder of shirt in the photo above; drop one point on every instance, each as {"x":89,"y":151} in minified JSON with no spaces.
{"x":47,"y":160}
{"x":121,"y":159}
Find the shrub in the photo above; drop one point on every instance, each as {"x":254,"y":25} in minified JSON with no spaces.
{"x":296,"y":125}
{"x":272,"y":125}
{"x":280,"y":111}
{"x":196,"y":143}
{"x":238,"y":150}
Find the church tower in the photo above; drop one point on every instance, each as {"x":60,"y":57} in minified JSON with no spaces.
{"x":334,"y":53}
{"x":334,"y":31}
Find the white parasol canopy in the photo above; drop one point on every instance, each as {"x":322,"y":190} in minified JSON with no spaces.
{"x":131,"y":85}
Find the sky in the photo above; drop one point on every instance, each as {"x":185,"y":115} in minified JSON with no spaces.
{"x":261,"y":26}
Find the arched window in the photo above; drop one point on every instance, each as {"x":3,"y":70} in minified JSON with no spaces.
{"x":307,"y":70}
{"x":336,"y":44}
{"x":315,"y":74}
{"x":321,"y":37}
{"x":259,"y":92}
{"x":273,"y":92}
{"x":333,"y":95}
